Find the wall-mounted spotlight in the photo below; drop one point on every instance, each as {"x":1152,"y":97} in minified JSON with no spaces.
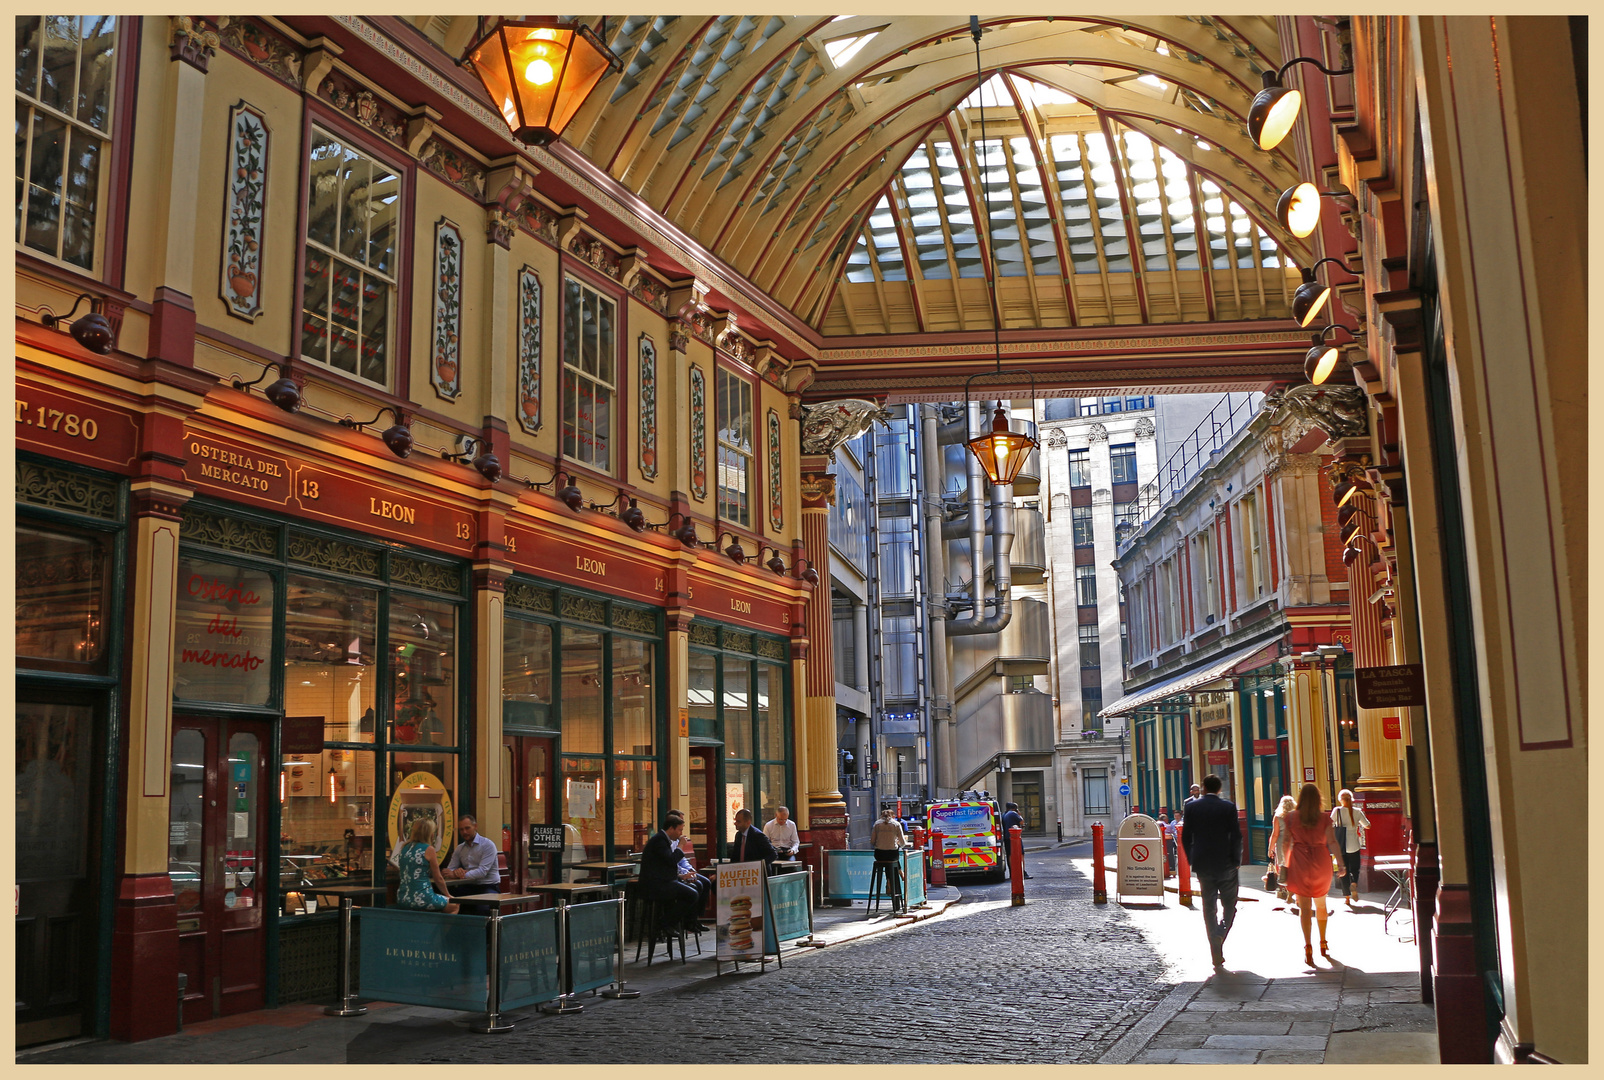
{"x":634,"y":517}
{"x":283,"y":392}
{"x":735,"y":551}
{"x":1298,"y":208}
{"x":1344,"y":492}
{"x":1323,"y":357}
{"x":92,"y":331}
{"x":1275,"y":108}
{"x":776,"y":563}
{"x":686,"y":533}
{"x":397,"y":437}
{"x":570,"y":494}
{"x":487,"y":464}
{"x":1310,"y":298}
{"x":810,"y":575}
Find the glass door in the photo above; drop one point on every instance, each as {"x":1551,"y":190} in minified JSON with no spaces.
{"x":528,"y":773}
{"x":58,"y":810}
{"x":215,"y":852}
{"x":702,"y":815}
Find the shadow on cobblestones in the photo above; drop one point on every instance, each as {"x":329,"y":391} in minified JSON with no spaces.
{"x":1054,"y":981}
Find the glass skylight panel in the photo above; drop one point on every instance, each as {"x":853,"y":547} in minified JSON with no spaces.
{"x":993,"y":93}
{"x":1110,"y":215}
{"x":887,"y":248}
{"x":960,"y":214}
{"x":1242,"y":237}
{"x":1142,"y":176}
{"x":1033,"y":200}
{"x":858,"y":262}
{"x":842,"y":50}
{"x":1178,"y":198}
{"x":1077,"y":211}
{"x":1269,"y":253}
{"x":1033,"y":93}
{"x":1214,"y":224}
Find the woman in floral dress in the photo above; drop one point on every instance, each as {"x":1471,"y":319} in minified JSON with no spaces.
{"x":421,"y":888}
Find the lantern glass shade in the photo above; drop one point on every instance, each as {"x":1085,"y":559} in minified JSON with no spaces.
{"x":1001,"y":451}
{"x":1272,"y":114}
{"x":538,"y":72}
{"x":1298,"y":209}
{"x":1309,"y":300}
{"x":1320,"y":362}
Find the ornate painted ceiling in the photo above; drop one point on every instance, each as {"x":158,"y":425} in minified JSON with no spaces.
{"x":839,"y":164}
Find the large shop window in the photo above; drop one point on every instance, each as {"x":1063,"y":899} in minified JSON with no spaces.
{"x":590,"y":375}
{"x":63,"y":598}
{"x":353,"y":204}
{"x":66,"y":67}
{"x":737,"y":695}
{"x":596,"y":688}
{"x":734,"y":449}
{"x":360,"y":646}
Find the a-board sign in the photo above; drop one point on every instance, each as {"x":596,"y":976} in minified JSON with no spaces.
{"x":740,"y":911}
{"x":1140,"y":858}
{"x":545,"y":838}
{"x":1395,"y":687}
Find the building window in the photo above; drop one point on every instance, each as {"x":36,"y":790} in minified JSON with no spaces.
{"x":900,"y":659}
{"x":1080,"y":468}
{"x":1128,"y":514}
{"x":1021,"y":684}
{"x":1080,"y":518}
{"x":348,"y":288}
{"x":734,"y":449}
{"x":1125,"y":643}
{"x":1136,"y":403}
{"x":1113,"y":405}
{"x":1095,"y":791}
{"x":1252,"y":546}
{"x":893,"y":476}
{"x":65,"y":69}
{"x":1091,"y":703}
{"x":1090,"y":652}
{"x":896,"y":556}
{"x":849,"y":521}
{"x":1086,"y":585}
{"x":844,"y":641}
{"x":1122,"y":464}
{"x":1205,"y":559}
{"x":590,"y":372}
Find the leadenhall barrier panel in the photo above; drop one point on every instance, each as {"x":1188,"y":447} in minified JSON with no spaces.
{"x":425,"y":958}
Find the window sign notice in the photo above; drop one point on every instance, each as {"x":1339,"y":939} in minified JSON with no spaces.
{"x":224,"y":633}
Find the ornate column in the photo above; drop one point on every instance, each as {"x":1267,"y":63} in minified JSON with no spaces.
{"x":825,"y":426}
{"x":491,"y":805}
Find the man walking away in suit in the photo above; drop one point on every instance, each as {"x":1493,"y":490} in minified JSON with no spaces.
{"x":1212,"y":837}
{"x":1010,"y":818}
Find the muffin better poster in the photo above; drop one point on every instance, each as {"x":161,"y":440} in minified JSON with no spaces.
{"x":740,"y":911}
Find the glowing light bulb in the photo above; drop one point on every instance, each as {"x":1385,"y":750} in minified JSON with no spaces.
{"x":539,"y":73}
{"x":1000,"y":446}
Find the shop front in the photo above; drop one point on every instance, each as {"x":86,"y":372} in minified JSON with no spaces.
{"x":1263,"y":737}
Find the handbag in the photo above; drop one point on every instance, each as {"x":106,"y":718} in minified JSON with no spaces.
{"x":1271,"y":881}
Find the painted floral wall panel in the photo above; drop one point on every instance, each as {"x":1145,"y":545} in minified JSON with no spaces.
{"x":648,"y":408}
{"x":247,"y":204}
{"x":529,"y":311}
{"x":776,"y":489}
{"x":445,"y":370}
{"x":698,"y":433}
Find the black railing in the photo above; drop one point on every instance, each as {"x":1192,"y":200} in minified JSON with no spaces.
{"x":1218,"y":428}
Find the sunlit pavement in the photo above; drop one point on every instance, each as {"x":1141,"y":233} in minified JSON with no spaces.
{"x":1266,"y":1005}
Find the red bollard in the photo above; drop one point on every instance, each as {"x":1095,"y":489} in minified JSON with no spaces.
{"x":1184,"y":872}
{"x":938,"y":862}
{"x":1016,"y":864}
{"x":1099,"y":885}
{"x":919,"y":837}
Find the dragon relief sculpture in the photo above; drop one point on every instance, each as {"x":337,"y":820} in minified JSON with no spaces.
{"x":828,"y":424}
{"x":1342,"y":412}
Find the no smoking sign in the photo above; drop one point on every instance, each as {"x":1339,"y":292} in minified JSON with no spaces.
{"x":1139,"y":852}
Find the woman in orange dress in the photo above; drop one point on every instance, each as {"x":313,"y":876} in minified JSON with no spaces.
{"x":1313,"y":846}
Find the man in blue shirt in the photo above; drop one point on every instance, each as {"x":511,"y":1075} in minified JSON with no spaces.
{"x":472,"y":866}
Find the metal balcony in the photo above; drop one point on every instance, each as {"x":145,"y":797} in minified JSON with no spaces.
{"x":1023,"y":647}
{"x":1004,"y":724}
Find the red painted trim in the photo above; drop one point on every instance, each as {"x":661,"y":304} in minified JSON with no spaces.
{"x":1273,"y":535}
{"x":172,"y":327}
{"x":1133,"y":238}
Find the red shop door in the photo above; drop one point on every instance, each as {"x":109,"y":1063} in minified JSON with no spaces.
{"x":528,"y":774}
{"x":216,"y":853}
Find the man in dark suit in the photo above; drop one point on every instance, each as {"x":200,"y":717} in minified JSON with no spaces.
{"x":1212,"y":837}
{"x":1010,"y":819}
{"x":750,"y":845}
{"x":661,"y":877}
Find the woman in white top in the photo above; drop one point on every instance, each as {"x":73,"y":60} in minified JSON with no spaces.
{"x":1349,"y":817}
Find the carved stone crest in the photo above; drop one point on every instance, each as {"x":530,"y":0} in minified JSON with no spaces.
{"x":1056,"y":439}
{"x":1145,"y":428}
{"x":1342,"y":412}
{"x":1098,"y":433}
{"x":828,"y":424}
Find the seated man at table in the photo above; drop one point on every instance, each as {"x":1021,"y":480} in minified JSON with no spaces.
{"x":750,"y":845}
{"x":471,"y":870}
{"x":663,"y":878}
{"x":782,"y":833}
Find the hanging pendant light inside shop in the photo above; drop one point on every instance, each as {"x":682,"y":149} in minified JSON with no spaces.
{"x":538,"y":71}
{"x":1000,"y":449}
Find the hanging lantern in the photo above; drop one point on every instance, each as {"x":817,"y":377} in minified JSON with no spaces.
{"x":538,"y":71}
{"x":1001,"y":451}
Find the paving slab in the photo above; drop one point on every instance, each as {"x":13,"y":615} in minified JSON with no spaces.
{"x":1291,"y":1057}
{"x":1383,"y":1047}
{"x":1185,"y":1027}
{"x":1265,"y":1042}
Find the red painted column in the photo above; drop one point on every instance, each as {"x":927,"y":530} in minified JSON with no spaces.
{"x":1377,"y":790}
{"x":827,"y":828}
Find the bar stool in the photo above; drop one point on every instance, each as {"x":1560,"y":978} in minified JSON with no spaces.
{"x":882,"y":884}
{"x":651,"y":931}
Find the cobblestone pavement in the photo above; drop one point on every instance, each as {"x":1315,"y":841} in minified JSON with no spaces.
{"x":1053,"y":981}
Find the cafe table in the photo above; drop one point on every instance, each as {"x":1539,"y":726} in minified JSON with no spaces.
{"x":610,"y":870}
{"x":347,"y":895}
{"x":563,"y":892}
